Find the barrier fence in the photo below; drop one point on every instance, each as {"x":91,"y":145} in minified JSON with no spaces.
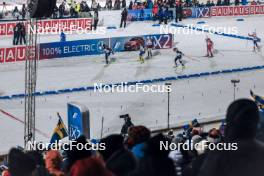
{"x":149,"y":81}
{"x":202,"y":12}
{"x":86,"y":47}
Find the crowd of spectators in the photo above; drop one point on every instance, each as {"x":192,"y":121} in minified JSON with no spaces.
{"x":73,"y":8}
{"x":139,"y":153}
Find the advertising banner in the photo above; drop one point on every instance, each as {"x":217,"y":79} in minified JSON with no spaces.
{"x":200,"y":12}
{"x":160,"y":41}
{"x":51,"y":25}
{"x":78,"y":121}
{"x":72,"y":48}
{"x":139,"y":15}
{"x":14,"y":54}
{"x":237,"y":10}
{"x":86,"y":47}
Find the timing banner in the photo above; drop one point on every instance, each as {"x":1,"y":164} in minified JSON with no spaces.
{"x":237,"y":10}
{"x":50,"y":26}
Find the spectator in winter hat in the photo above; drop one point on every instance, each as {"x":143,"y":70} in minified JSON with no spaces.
{"x":20,"y":164}
{"x":246,"y":158}
{"x":40,"y":163}
{"x":53,"y":162}
{"x":137,"y":135}
{"x":155,"y":162}
{"x":75,"y":154}
{"x":5,"y":171}
{"x":118,"y":159}
{"x":89,"y":167}
{"x":214,"y":136}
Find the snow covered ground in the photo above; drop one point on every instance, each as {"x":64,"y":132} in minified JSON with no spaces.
{"x":201,"y":98}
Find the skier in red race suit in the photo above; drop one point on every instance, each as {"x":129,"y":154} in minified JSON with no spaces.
{"x":210,"y":46}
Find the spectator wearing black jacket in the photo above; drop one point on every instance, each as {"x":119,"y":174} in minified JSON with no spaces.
{"x":23,"y":11}
{"x":96,"y":18}
{"x":16,"y":34}
{"x":22,"y":34}
{"x":123,"y":3}
{"x":246,"y":159}
{"x":123,"y":18}
{"x":61,"y":10}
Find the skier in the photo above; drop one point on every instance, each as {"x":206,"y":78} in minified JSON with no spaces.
{"x":141,"y":54}
{"x":255,"y":40}
{"x":209,"y":45}
{"x":108,"y":51}
{"x":149,"y":44}
{"x":178,"y":57}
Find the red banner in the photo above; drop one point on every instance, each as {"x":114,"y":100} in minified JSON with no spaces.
{"x":237,"y":10}
{"x":52,"y":25}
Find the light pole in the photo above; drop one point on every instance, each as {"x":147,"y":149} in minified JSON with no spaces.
{"x":235,"y":82}
{"x":168,"y":88}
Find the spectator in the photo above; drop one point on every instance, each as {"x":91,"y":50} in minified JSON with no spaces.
{"x":161,"y":15}
{"x":23,"y":11}
{"x":89,"y":167}
{"x":253,"y":2}
{"x":155,"y":161}
{"x":237,"y":2}
{"x":20,"y":164}
{"x":123,"y":3}
{"x":219,"y":3}
{"x":130,"y":7}
{"x":123,"y":18}
{"x":118,"y":159}
{"x":75,"y":154}
{"x":166,"y":15}
{"x":22,"y":34}
{"x":53,"y":163}
{"x":61,"y":10}
{"x":40,"y":164}
{"x":109,"y":4}
{"x":137,"y":137}
{"x":155,"y":11}
{"x":96,"y":19}
{"x":241,"y":126}
{"x":16,"y":34}
{"x":15,"y":13}
{"x":117,"y":5}
{"x":55,"y":12}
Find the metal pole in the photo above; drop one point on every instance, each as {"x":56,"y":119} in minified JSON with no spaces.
{"x":168,"y":109}
{"x":234,"y":91}
{"x":102,"y":127}
{"x":168,"y":115}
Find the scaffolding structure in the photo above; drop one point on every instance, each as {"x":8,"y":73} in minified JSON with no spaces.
{"x":32,"y":57}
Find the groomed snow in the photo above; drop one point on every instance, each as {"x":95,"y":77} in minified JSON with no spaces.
{"x":201,"y":98}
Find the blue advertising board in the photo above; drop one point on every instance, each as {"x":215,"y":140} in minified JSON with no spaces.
{"x":94,"y":46}
{"x":78,"y":121}
{"x":139,"y":15}
{"x":72,"y":48}
{"x":132,"y":43}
